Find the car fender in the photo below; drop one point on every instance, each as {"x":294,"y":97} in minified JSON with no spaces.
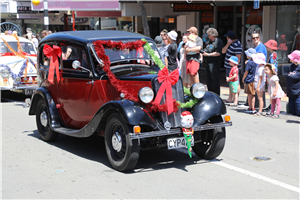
{"x":133,"y":113}
{"x":209,"y":106}
{"x":43,"y":93}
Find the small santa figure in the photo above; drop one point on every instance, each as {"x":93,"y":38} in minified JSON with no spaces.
{"x":187,"y":121}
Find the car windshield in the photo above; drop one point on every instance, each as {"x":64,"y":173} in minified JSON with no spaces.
{"x":140,"y":54}
{"x":25,"y":47}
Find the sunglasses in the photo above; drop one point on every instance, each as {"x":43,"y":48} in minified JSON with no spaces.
{"x":254,"y":38}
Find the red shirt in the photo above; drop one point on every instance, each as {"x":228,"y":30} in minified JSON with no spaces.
{"x":234,"y":70}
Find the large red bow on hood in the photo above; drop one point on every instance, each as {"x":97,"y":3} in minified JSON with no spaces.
{"x":54,"y":65}
{"x":167,"y":81}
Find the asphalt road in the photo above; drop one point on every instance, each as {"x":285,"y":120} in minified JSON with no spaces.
{"x":73,"y":168}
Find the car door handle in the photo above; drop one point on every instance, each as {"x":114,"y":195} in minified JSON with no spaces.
{"x":90,"y":82}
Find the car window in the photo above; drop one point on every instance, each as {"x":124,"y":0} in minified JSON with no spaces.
{"x":25,"y":47}
{"x":72,"y":53}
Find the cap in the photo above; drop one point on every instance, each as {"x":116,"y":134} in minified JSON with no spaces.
{"x":259,"y":58}
{"x":295,"y":56}
{"x":234,"y":60}
{"x":172,"y":35}
{"x":158,"y":40}
{"x":193,"y":29}
{"x":250,"y":52}
{"x":230,"y":34}
{"x":271,"y":44}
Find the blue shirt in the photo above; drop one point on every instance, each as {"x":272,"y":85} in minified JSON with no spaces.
{"x":250,"y":67}
{"x":233,"y":49}
{"x":261,"y":49}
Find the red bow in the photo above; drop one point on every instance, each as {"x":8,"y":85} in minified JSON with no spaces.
{"x":54,"y":65}
{"x":168,"y":81}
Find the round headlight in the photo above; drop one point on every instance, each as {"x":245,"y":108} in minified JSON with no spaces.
{"x":4,"y":73}
{"x":18,"y":80}
{"x":198,"y":90}
{"x":146,"y":94}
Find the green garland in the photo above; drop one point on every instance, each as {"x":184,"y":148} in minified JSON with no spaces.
{"x":161,"y":65}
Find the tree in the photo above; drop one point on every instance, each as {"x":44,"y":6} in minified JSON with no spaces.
{"x":144,"y":17}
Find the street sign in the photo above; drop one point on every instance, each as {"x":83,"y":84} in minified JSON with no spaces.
{"x":256,"y":4}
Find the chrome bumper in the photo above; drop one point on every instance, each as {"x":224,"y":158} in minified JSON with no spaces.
{"x":178,"y":130}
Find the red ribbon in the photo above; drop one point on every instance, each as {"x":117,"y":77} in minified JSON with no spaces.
{"x":167,"y":81}
{"x":54,"y":65}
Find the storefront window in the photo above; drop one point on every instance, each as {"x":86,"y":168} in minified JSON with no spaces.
{"x":253,"y":24}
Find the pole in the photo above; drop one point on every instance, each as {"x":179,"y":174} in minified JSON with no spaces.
{"x":46,"y":17}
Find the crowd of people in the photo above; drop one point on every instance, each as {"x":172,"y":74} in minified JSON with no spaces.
{"x":260,"y":71}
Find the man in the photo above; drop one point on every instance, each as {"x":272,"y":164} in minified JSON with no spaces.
{"x":212,"y":60}
{"x":193,"y":61}
{"x":232,"y":48}
{"x":171,"y":59}
{"x":44,"y":34}
{"x":161,"y":47}
{"x":164,"y":36}
{"x":35,"y":40}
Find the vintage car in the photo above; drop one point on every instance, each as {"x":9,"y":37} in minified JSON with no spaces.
{"x":17,"y":64}
{"x":109,"y":83}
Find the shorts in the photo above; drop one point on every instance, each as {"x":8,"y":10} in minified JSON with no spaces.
{"x":192,"y":67}
{"x":234,"y":86}
{"x":249,"y":88}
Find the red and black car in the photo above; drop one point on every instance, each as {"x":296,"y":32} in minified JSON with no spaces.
{"x":109,"y":83}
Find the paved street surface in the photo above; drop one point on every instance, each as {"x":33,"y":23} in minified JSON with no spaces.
{"x":73,"y":168}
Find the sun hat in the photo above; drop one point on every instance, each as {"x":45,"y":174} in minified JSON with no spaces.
{"x":250,"y":52}
{"x":295,"y":56}
{"x":230,"y":34}
{"x":259,"y":58}
{"x":192,"y":37}
{"x":192,"y":29}
{"x":271,"y":44}
{"x":158,"y":40}
{"x":173,"y":35}
{"x":234,"y":60}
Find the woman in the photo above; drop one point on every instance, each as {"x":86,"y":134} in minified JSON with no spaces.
{"x":293,"y":83}
{"x":182,"y":64}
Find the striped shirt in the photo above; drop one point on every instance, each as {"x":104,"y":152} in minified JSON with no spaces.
{"x":233,"y":49}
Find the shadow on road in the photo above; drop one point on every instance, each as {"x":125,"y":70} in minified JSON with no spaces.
{"x":93,"y":148}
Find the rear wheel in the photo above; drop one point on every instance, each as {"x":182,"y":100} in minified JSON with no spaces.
{"x":213,"y":141}
{"x":121,"y":155}
{"x":43,"y":122}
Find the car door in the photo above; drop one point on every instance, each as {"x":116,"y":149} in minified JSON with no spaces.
{"x":78,"y":96}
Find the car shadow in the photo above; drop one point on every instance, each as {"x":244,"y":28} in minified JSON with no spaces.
{"x":93,"y":148}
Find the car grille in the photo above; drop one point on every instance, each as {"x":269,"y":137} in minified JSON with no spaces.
{"x":178,"y":94}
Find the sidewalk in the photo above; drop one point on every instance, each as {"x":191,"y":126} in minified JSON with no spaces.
{"x":242,"y":97}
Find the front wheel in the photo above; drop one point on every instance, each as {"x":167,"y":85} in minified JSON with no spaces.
{"x":121,"y":155}
{"x":43,"y":122}
{"x":212,"y":143}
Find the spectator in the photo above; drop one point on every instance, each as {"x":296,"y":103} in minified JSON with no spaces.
{"x":171,"y":60}
{"x":179,"y":37}
{"x":233,"y":78}
{"x":44,"y":34}
{"x":182,"y":64}
{"x":164,"y":36}
{"x":259,"y":80}
{"x":35,"y":40}
{"x":212,"y":60}
{"x":49,"y":32}
{"x":271,"y":46}
{"x":274,"y":90}
{"x":232,"y":48}
{"x":248,"y":80}
{"x":161,"y":48}
{"x":29,"y":33}
{"x":193,"y":60}
{"x":293,"y":83}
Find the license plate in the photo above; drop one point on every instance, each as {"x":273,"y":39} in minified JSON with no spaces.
{"x":174,"y":143}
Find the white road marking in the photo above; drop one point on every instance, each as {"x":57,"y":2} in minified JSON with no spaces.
{"x":246,"y":172}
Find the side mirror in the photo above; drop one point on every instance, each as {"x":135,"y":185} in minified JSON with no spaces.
{"x":76,"y":64}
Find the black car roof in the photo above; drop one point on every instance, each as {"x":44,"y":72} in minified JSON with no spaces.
{"x":91,"y":35}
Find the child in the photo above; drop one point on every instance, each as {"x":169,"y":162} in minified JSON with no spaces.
{"x":271,"y":46}
{"x":274,"y":90}
{"x":259,"y":80}
{"x":248,"y":80}
{"x":233,"y":78}
{"x":191,"y":43}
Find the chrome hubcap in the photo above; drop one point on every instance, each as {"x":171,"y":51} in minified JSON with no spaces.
{"x":117,"y":142}
{"x":44,"y":118}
